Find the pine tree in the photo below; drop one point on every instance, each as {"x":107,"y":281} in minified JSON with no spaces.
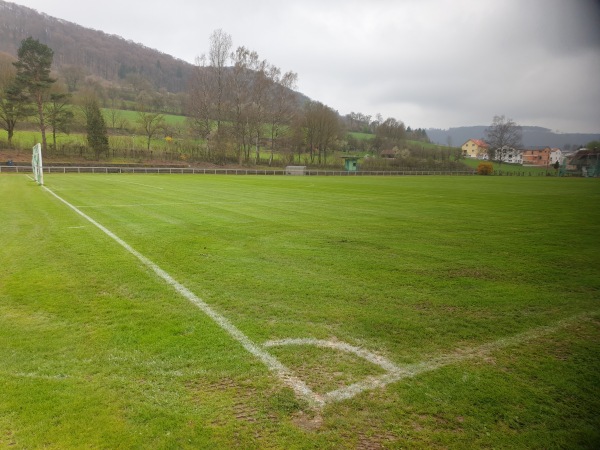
{"x":33,"y":75}
{"x":97,"y":135}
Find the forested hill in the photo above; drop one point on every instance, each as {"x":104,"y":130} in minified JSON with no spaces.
{"x":107,"y":56}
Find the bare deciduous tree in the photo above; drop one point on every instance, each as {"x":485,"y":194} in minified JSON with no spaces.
{"x":502,"y":133}
{"x":220,"y":46}
{"x":240,"y":95}
{"x":150,"y":124}
{"x":72,"y":76}
{"x":282,"y":105}
{"x":59,"y":114}
{"x":259,"y":84}
{"x":322,"y":127}
{"x":391,"y":131}
{"x":199,"y":102}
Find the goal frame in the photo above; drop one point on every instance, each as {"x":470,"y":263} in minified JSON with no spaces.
{"x":36,"y":164}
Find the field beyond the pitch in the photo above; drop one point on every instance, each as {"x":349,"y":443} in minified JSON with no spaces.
{"x":98,"y":352}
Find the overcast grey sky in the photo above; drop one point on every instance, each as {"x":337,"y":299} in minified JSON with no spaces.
{"x":429,"y":63}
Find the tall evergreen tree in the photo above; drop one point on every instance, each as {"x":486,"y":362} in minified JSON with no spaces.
{"x":97,"y":135}
{"x":33,"y":75}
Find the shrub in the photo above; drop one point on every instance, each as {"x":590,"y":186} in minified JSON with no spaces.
{"x":485,"y":168}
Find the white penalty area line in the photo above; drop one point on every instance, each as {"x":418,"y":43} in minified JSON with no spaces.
{"x":272,"y":363}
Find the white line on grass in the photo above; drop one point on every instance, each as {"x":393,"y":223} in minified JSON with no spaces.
{"x":138,"y":184}
{"x":341,"y":346}
{"x":412,"y":370}
{"x":299,"y":387}
{"x":396,"y":373}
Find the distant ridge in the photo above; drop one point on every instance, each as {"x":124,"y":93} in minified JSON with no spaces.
{"x":112,"y":58}
{"x":533,"y":137}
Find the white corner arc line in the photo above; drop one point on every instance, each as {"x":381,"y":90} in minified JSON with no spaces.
{"x":373,"y":358}
{"x":272,"y":363}
{"x":396,"y":373}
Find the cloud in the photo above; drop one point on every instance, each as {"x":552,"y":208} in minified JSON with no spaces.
{"x":429,"y":63}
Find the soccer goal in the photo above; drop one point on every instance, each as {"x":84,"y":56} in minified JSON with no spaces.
{"x":295,"y":170}
{"x":36,"y":164}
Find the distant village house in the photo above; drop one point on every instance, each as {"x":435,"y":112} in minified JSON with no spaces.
{"x":586,"y":162}
{"x":475,"y":148}
{"x":537,"y":157}
{"x":509,"y":155}
{"x":556,"y":156}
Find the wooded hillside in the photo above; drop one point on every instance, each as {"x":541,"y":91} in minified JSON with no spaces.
{"x":107,"y":56}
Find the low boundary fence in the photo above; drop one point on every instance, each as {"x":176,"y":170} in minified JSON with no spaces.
{"x":285,"y":171}
{"x":211,"y":171}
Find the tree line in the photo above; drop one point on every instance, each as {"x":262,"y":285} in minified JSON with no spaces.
{"x":239,"y":107}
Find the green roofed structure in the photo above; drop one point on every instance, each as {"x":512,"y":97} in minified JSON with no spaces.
{"x":351,"y":163}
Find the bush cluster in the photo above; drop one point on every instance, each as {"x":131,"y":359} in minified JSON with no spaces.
{"x":485,"y":168}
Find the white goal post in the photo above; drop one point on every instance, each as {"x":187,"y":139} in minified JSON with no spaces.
{"x":36,"y":164}
{"x":295,"y":170}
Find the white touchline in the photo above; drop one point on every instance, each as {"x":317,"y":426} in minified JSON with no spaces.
{"x":299,"y":387}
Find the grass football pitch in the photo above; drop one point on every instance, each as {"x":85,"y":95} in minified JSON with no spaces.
{"x":211,"y":311}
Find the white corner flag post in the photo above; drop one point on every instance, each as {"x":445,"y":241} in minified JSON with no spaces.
{"x":36,"y":164}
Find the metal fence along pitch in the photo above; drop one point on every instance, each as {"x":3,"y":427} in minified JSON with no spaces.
{"x":211,"y":171}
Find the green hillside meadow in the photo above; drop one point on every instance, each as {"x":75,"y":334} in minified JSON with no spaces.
{"x":462,"y":311}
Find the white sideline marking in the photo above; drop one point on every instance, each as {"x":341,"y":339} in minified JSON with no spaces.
{"x":284,"y":374}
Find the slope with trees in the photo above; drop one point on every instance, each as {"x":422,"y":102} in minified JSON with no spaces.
{"x":81,"y":50}
{"x":239,"y":107}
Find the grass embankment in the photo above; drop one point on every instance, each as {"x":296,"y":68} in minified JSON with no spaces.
{"x":127,"y":138}
{"x":98,"y":352}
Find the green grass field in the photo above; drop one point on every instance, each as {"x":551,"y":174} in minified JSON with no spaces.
{"x":483,"y":292}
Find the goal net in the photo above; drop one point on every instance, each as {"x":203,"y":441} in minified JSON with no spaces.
{"x":36,"y":164}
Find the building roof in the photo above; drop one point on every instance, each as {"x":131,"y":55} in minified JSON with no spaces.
{"x":584,"y":154}
{"x":478,"y":142}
